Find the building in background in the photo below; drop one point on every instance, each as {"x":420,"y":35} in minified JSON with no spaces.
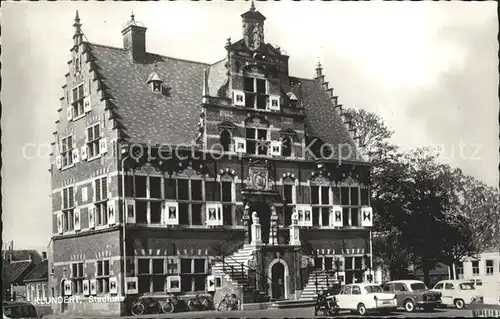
{"x":16,"y":265}
{"x":231,"y":176}
{"x":37,"y":287}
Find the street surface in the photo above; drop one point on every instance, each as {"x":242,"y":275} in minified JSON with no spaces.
{"x":299,"y":313}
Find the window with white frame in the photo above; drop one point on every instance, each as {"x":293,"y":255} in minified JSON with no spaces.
{"x":101,"y":201}
{"x":77,"y":277}
{"x":77,"y":102}
{"x":67,"y":151}
{"x":351,"y":200}
{"x":102,"y":277}
{"x":93,"y":137}
{"x":257,"y":140}
{"x":489,"y":267}
{"x":68,"y":207}
{"x":151,"y":274}
{"x":255,"y":93}
{"x":475,"y":267}
{"x":189,"y":194}
{"x":194,"y":272}
{"x":320,"y":201}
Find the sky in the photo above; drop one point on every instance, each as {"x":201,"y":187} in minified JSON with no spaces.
{"x":429,"y":69}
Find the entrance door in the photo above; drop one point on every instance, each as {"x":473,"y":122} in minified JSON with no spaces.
{"x":264,"y":213}
{"x":278,"y":281}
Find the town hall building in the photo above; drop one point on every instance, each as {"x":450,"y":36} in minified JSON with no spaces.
{"x":183,"y":177}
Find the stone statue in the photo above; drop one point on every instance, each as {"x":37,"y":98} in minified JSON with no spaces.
{"x":255,"y":219}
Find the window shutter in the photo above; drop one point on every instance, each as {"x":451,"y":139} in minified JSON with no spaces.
{"x":76,"y":219}
{"x":275,"y":148}
{"x":274,"y":103}
{"x":69,"y":113}
{"x":58,"y":161}
{"x":111,"y":212}
{"x":103,"y":148}
{"x":240,"y":145}
{"x":91,"y":211}
{"x":171,"y":213}
{"x":76,"y":155}
{"x":84,"y":153}
{"x":130,"y":206}
{"x":336,"y":216}
{"x":87,"y":107}
{"x":238,"y":98}
{"x":366,"y":217}
{"x":59,"y":223}
{"x":93,"y":286}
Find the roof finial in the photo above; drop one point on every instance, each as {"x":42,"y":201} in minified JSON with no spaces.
{"x":319,"y":68}
{"x":77,"y":23}
{"x":252,"y":7}
{"x":132,"y":16}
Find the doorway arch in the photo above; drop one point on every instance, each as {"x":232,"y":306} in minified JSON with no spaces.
{"x":278,"y":270}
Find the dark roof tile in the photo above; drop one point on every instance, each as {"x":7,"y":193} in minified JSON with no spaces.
{"x":39,"y":273}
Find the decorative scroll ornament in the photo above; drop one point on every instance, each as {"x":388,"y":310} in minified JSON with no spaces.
{"x":252,"y":263}
{"x":304,"y":262}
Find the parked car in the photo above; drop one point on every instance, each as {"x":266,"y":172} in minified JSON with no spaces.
{"x":476,"y":281}
{"x":19,"y":310}
{"x":363,"y":298}
{"x":458,"y":293}
{"x":413,"y":294}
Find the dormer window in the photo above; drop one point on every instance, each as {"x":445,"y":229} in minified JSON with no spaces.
{"x":157,"y":87}
{"x":155,"y":83}
{"x":292,"y":100}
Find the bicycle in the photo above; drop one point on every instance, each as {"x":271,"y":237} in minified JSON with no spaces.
{"x":145,"y":306}
{"x":169,"y":305}
{"x":199,"y":303}
{"x":229,"y":303}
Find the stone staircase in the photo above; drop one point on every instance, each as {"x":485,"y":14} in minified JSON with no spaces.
{"x":309,"y":292}
{"x":231,"y":267}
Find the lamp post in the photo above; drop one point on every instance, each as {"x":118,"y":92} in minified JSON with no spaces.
{"x":124,"y":151}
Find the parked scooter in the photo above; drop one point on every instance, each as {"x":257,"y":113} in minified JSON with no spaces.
{"x":326,"y":303}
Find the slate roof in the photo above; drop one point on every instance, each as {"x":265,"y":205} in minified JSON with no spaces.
{"x":173,"y":118}
{"x":323,"y":122}
{"x":153,"y":118}
{"x":24,"y":254}
{"x":15,"y":272}
{"x":39,"y":273}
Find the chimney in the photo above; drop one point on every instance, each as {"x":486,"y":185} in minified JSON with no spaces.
{"x":44,"y":255}
{"x":134,"y":39}
{"x":31,"y":256}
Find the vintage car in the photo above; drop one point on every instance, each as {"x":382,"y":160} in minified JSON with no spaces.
{"x":364,"y":297}
{"x":458,"y":293}
{"x":412,"y":294}
{"x":18,"y":310}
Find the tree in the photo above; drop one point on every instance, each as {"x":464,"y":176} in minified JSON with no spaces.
{"x":391,"y":254}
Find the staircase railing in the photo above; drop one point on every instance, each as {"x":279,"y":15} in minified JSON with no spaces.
{"x":327,"y":272}
{"x":245,"y":274}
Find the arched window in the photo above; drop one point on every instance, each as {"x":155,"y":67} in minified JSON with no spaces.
{"x":286,"y":146}
{"x":225,"y":140}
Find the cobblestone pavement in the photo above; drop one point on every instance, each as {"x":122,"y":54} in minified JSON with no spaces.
{"x":295,"y":313}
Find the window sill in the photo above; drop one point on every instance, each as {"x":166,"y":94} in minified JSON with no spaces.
{"x":78,"y":117}
{"x":93,"y":158}
{"x":66,"y":167}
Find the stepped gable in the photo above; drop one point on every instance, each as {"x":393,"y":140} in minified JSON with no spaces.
{"x":146,"y":117}
{"x":323,"y":122}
